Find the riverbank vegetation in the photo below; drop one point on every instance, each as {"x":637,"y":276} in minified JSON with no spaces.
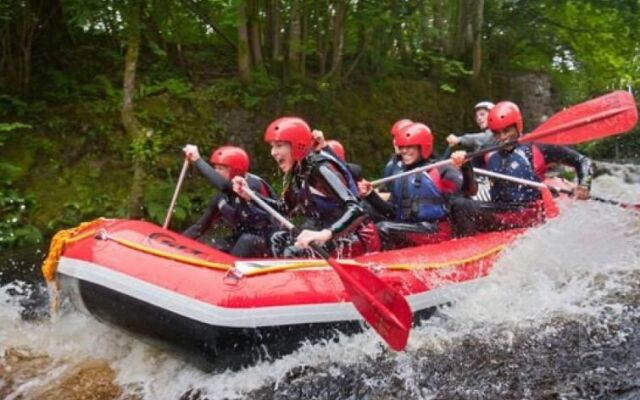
{"x":98,"y":97}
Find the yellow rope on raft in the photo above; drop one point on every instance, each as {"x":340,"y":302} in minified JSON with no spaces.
{"x":59,"y":242}
{"x":406,"y":267}
{"x":171,"y":256}
{"x":462,"y":261}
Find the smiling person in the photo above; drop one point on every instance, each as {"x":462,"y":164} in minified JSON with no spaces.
{"x":513,"y":205}
{"x":322,"y":188}
{"x":249,"y":224}
{"x":394,"y":164}
{"x":417,"y":206}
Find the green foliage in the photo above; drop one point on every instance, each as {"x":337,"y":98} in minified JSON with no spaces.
{"x":14,"y":228}
{"x":12,"y":106}
{"x":232,"y":92}
{"x":158,"y":198}
{"x":147,"y":146}
{"x":173,"y":86}
{"x":8,"y":127}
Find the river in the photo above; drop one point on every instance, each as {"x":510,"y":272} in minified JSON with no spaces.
{"x":559,"y":318}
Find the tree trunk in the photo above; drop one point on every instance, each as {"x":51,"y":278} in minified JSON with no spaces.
{"x":268,"y":28}
{"x":364,"y":44}
{"x":254,"y":32}
{"x":466,"y":38}
{"x":321,"y":35}
{"x":30,"y":22}
{"x":244,"y":58}
{"x":129,"y":120}
{"x":276,"y":39}
{"x":338,"y":39}
{"x":304,"y":28}
{"x":477,"y":23}
{"x":293,"y":58}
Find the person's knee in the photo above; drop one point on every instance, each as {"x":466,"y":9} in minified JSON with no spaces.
{"x":249,"y":245}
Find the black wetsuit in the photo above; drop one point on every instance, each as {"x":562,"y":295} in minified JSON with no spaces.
{"x":319,"y":188}
{"x":250,"y":225}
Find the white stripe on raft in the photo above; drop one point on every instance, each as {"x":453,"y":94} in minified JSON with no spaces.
{"x":237,"y":317}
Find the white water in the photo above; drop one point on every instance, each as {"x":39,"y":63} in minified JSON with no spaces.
{"x":563,"y":268}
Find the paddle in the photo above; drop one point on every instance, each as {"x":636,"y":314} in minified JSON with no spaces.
{"x":183,"y":172}
{"x":386,"y":310}
{"x":553,"y":189}
{"x":608,"y":115}
{"x":447,"y":153}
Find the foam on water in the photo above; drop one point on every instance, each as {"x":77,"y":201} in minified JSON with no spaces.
{"x":564,"y":268}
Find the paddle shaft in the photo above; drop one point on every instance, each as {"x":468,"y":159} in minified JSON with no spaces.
{"x":183,"y":172}
{"x":552,"y":188}
{"x":440,"y":163}
{"x":263,"y":204}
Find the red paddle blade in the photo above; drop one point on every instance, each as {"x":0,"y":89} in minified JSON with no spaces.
{"x":608,"y":115}
{"x":386,"y":310}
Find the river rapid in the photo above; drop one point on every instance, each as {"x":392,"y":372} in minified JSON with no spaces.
{"x":559,"y":318}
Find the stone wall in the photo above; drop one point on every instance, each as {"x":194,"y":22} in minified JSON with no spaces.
{"x":531,"y":91}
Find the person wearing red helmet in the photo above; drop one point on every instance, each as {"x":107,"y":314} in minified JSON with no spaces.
{"x":394,"y":165}
{"x":513,"y":205}
{"x":416,"y":210}
{"x":337,"y":149}
{"x":319,"y":185}
{"x":249,"y":224}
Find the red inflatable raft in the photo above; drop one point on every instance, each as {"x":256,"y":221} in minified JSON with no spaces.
{"x":230,"y":312}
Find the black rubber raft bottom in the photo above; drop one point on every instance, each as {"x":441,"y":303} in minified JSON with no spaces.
{"x":209,"y":347}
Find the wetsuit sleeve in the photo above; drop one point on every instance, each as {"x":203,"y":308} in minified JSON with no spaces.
{"x":280,"y":205}
{"x":204,"y":222}
{"x":354,"y":213}
{"x":469,"y":182}
{"x":567,"y":156}
{"x":475,"y":140}
{"x":214,"y":178}
{"x":451,"y":179}
{"x":383,"y":207}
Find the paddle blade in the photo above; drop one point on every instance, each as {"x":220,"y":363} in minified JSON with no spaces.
{"x":608,"y":115}
{"x":386,"y":310}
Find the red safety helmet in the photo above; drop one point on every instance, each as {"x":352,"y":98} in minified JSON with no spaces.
{"x":399,"y":125}
{"x":416,"y":134}
{"x":233,"y":157}
{"x":293,"y":130}
{"x":503,"y":115}
{"x":337,"y":148}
